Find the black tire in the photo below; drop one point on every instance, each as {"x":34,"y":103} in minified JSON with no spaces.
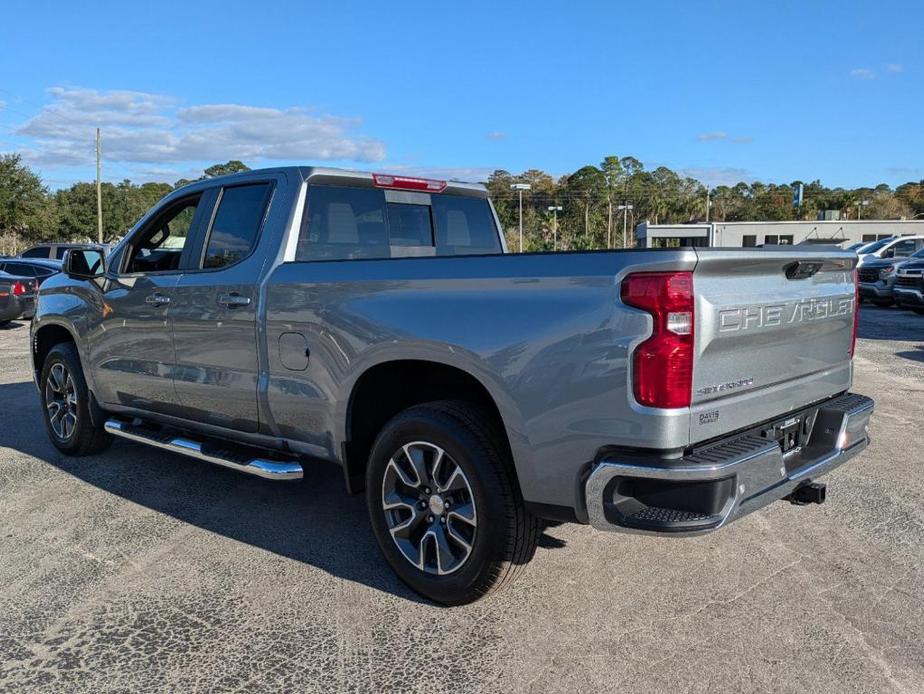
{"x":83,"y":437}
{"x":506,"y":534}
{"x":919,"y":311}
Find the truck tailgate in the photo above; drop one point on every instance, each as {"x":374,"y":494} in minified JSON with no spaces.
{"x":774,"y":329}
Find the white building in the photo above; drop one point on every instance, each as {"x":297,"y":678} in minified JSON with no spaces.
{"x":838,"y":232}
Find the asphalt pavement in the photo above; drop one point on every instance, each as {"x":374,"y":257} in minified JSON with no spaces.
{"x":137,"y":570}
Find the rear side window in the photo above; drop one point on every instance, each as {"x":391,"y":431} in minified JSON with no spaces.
{"x":464,"y":226}
{"x":344,"y":223}
{"x":38,"y":252}
{"x":237,"y":224}
{"x":20,"y":269}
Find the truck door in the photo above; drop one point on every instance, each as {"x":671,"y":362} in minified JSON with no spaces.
{"x":131,"y":345}
{"x":214,"y":316}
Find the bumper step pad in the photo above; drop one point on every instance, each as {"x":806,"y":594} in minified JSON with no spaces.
{"x":713,"y":486}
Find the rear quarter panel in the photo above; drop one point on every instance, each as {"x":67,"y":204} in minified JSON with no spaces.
{"x":545,"y":334}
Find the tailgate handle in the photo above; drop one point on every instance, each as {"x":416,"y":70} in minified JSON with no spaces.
{"x":802,"y":269}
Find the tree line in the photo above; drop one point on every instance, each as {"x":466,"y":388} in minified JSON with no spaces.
{"x":596,"y":203}
{"x":30,"y":213}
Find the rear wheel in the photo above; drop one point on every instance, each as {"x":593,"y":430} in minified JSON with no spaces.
{"x":919,"y":311}
{"x":444,"y":503}
{"x":66,"y":404}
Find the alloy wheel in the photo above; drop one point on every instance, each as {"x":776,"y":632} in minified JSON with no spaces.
{"x":429,"y":508}
{"x":61,"y":401}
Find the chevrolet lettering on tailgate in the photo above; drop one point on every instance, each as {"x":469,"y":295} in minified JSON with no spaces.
{"x":789,"y":313}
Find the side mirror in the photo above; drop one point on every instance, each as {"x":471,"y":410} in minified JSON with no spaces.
{"x":84,"y":263}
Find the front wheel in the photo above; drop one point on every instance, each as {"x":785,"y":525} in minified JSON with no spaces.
{"x":444,"y":503}
{"x":66,"y":404}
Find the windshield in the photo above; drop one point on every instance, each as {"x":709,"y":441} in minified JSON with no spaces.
{"x":874,"y":246}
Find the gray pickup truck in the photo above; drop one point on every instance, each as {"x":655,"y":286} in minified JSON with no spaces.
{"x":269,"y":320}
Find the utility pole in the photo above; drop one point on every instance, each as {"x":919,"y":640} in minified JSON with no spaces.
{"x":625,"y":217}
{"x":708,"y":205}
{"x":555,"y":209}
{"x":520,"y":187}
{"x":99,"y":195}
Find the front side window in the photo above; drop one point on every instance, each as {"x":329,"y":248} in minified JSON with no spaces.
{"x":902,"y":249}
{"x":160,"y":244}
{"x":237,"y":224}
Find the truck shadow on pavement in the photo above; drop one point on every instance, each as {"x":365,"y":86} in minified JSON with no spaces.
{"x":313,"y":521}
{"x":917,"y":354}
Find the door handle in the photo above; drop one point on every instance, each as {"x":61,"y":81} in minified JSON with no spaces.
{"x":156,"y":299}
{"x":233,"y":300}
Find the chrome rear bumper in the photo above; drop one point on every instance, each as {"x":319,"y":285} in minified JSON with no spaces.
{"x":726,"y":480}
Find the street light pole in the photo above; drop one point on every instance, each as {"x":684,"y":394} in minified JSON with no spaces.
{"x":555,"y":209}
{"x":520,"y":187}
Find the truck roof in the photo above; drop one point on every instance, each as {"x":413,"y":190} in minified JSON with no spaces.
{"x":330,"y":174}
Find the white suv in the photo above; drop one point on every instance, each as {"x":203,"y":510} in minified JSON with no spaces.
{"x":895,"y":247}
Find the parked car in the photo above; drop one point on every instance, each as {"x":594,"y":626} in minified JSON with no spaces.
{"x":909,"y":286}
{"x":877,"y":276}
{"x":57,"y":250}
{"x":895,"y":247}
{"x":376,"y":321}
{"x":39,"y":268}
{"x":17,"y":297}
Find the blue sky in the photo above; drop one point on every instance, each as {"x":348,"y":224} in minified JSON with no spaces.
{"x":723,"y":91}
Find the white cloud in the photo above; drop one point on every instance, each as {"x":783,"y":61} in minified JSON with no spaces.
{"x":863,"y":73}
{"x":141,"y":128}
{"x":895,"y":67}
{"x":722,"y":136}
{"x":903,"y":170}
{"x":496,"y":135}
{"x":718,"y":175}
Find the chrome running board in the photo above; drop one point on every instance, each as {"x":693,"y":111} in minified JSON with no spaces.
{"x":268,"y":469}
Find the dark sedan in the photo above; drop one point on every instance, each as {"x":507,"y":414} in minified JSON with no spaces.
{"x":39,"y":268}
{"x":17,"y":297}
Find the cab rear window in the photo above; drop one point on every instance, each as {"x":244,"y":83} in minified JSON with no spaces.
{"x":346,"y":222}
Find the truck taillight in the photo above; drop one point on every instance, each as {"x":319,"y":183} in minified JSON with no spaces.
{"x":408,"y":183}
{"x":18,"y":288}
{"x":856,"y":312}
{"x":663,"y":364}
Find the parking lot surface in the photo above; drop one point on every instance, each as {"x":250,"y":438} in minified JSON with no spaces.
{"x":144,"y":571}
